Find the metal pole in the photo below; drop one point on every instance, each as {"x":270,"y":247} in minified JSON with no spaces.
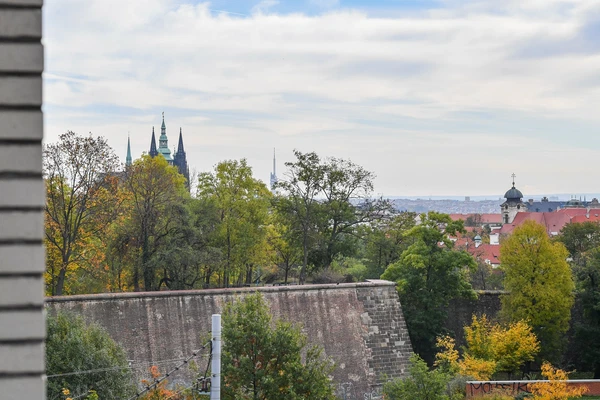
{"x":215,"y":380}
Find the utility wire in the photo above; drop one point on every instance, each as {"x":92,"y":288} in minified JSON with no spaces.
{"x":158,"y":381}
{"x":136,"y":365}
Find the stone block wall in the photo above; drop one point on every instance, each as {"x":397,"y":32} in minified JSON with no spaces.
{"x":360,"y":326}
{"x":22,"y":329}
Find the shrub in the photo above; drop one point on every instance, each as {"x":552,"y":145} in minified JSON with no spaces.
{"x":421,"y":384}
{"x":556,"y":387}
{"x":72,"y":345}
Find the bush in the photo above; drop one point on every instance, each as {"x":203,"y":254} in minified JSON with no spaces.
{"x":555,"y":388}
{"x":74,"y":346}
{"x":421,"y":384}
{"x":264,"y":360}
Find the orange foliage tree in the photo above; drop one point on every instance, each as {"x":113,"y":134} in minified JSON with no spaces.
{"x":555,"y":388}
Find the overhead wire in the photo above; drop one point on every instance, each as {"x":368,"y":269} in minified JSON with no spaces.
{"x":135,"y":365}
{"x":159,"y":380}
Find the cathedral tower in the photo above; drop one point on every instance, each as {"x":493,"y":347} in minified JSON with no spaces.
{"x":153,"y":152}
{"x":163,"y":142}
{"x":180,"y":160}
{"x":128,"y":159}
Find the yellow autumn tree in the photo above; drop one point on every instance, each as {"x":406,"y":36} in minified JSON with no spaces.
{"x":513,"y":346}
{"x":540,"y":285}
{"x":478,"y":338}
{"x":448,"y":360}
{"x":490,"y":347}
{"x":555,"y":388}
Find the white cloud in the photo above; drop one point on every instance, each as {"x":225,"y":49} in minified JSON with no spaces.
{"x":341,"y":83}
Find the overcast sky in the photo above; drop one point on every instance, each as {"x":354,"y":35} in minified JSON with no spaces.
{"x":437,"y":97}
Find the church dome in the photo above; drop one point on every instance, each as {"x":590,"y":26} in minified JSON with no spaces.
{"x":513,"y":194}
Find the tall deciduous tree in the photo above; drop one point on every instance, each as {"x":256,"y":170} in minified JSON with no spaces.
{"x":385,"y":241}
{"x":583,"y":243}
{"x":263,"y":359}
{"x":242,"y":203}
{"x":429,"y":274}
{"x":539,"y":284}
{"x":300,"y":205}
{"x":157,"y":191}
{"x":347,"y":189}
{"x":80,"y":181}
{"x":326,"y":201}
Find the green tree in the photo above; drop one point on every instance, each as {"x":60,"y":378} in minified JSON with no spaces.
{"x":385,"y":241}
{"x":420,"y":384}
{"x":79,"y":174}
{"x":580,"y":239}
{"x":347,"y":189}
{"x":429,"y":274}
{"x":539,"y":284}
{"x":185,"y":257}
{"x":300,"y":205}
{"x":73,"y":348}
{"x":262,"y":360}
{"x":287,"y":255}
{"x":327,"y":202}
{"x":242,"y":203}
{"x":583,"y":243}
{"x":157,"y":192}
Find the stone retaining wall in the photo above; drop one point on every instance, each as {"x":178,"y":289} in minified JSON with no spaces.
{"x":359,"y":325}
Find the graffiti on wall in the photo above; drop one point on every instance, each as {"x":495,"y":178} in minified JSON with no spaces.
{"x":346,"y":391}
{"x":516,"y":387}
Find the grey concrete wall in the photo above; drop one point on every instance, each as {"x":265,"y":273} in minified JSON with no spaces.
{"x":360,"y":326}
{"x":22,"y":328}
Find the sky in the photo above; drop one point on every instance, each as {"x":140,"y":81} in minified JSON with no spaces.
{"x":436,"y":97}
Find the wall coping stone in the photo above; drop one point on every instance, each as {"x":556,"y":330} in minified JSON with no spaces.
{"x":536,"y":381}
{"x":220,"y":291}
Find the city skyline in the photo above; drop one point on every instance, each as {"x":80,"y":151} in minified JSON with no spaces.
{"x":435,"y":97}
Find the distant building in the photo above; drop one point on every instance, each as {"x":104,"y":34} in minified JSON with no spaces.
{"x":544,"y":205}
{"x":178,"y":159}
{"x":513,"y":204}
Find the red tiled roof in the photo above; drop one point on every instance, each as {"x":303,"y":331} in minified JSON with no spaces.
{"x":553,"y":221}
{"x":572,"y":212}
{"x":486,"y":252}
{"x":485,"y":218}
{"x":593,"y":217}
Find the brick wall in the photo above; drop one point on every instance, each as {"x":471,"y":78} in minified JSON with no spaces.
{"x":360,"y":326}
{"x":21,"y":201}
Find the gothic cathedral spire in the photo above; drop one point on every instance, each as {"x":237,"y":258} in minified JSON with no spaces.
{"x":180,"y":160}
{"x":128,"y":159}
{"x":153,"y":152}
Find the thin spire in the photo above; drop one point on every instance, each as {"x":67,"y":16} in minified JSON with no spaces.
{"x":513,"y":176}
{"x":163,"y":128}
{"x":128,"y":159}
{"x":180,"y":144}
{"x":273,"y":179}
{"x":153,"y":151}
